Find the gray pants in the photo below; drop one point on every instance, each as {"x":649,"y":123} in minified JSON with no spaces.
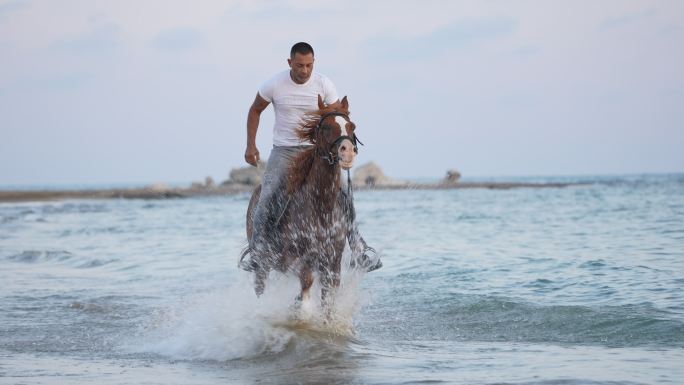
{"x":272,"y":200}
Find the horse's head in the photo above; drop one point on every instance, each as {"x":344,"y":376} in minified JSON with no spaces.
{"x":334,"y":134}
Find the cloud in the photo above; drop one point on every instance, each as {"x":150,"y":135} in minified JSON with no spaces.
{"x":12,"y":6}
{"x":524,"y":51}
{"x":101,"y":39}
{"x":57,"y":82}
{"x":180,"y":39}
{"x":280,"y":10}
{"x":469,"y":32}
{"x":625,"y":19}
{"x":458,"y":35}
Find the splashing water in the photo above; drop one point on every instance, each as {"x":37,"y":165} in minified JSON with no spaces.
{"x":231,"y":323}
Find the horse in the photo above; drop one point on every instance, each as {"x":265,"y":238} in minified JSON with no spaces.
{"x":315,"y":223}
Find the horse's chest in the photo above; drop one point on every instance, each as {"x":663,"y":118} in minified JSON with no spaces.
{"x":317,"y":222}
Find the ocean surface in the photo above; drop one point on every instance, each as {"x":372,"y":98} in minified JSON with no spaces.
{"x":576,"y":285}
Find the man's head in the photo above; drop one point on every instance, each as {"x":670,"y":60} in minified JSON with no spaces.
{"x":301,"y":62}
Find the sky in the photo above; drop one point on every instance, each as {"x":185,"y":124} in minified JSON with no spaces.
{"x":157,"y":91}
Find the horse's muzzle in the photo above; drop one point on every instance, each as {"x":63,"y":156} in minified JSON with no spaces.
{"x":346,"y":154}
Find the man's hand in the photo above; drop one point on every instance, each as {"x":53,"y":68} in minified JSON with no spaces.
{"x":252,"y":155}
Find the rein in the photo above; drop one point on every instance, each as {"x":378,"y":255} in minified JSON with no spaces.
{"x":331,"y":157}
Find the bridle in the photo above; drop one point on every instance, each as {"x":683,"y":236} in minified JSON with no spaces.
{"x":333,"y":158}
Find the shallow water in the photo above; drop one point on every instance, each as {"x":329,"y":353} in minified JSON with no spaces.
{"x":579,"y":285}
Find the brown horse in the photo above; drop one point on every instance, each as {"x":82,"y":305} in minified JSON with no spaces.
{"x":313,"y":228}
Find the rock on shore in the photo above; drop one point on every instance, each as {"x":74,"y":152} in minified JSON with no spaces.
{"x":452,"y":177}
{"x":248,"y":175}
{"x":370,"y":175}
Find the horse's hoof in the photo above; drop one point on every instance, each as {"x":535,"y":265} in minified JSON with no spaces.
{"x":247,"y":264}
{"x":376,"y":266}
{"x":366,"y":263}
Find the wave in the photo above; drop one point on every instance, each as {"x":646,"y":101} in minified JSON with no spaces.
{"x":57,"y":256}
{"x":491,"y":319}
{"x":40,"y":212}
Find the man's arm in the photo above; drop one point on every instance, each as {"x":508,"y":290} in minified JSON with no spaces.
{"x":252,"y":153}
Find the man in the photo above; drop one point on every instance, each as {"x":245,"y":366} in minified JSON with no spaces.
{"x":293,"y":92}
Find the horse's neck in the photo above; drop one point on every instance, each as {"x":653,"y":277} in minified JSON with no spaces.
{"x":322,"y":185}
{"x":324,"y":177}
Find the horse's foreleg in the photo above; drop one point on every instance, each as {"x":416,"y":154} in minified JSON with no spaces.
{"x":306,"y":281}
{"x":330,"y":280}
{"x":326,"y":280}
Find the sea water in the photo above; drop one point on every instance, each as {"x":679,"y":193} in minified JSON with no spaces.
{"x":574,"y":285}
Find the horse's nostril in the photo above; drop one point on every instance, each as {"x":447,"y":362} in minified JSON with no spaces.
{"x":343,"y":148}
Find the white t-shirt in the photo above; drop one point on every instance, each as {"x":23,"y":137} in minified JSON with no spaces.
{"x":291,"y":101}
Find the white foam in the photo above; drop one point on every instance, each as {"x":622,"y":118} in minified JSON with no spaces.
{"x":231,"y":323}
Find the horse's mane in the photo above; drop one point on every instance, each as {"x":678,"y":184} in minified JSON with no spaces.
{"x":301,"y":165}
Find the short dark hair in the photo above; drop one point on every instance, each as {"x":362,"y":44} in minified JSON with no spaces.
{"x":301,"y":48}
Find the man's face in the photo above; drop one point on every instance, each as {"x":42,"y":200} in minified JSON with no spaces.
{"x":301,"y":67}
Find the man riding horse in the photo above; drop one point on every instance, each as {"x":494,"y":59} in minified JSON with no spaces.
{"x":294,"y":93}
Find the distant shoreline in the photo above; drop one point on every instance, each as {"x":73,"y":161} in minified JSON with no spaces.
{"x":7,"y":196}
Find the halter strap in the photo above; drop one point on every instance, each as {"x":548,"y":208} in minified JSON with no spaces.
{"x":330,"y":157}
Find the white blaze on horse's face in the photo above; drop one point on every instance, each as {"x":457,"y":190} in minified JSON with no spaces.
{"x":345,"y":151}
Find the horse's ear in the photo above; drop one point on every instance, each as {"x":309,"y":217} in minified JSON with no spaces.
{"x":345,"y":102}
{"x":321,"y":105}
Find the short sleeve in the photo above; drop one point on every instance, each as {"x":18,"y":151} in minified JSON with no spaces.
{"x":266,"y":90}
{"x":330,"y":91}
